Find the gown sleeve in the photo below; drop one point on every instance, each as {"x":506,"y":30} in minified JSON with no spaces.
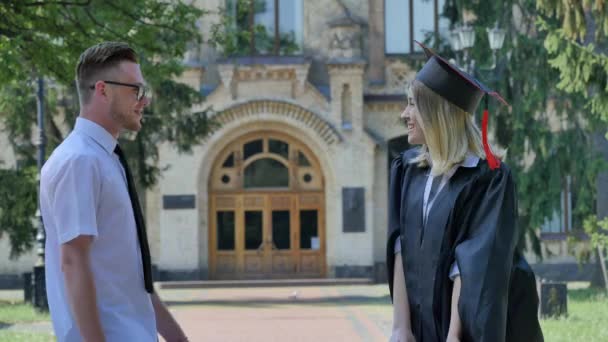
{"x":485,"y":255}
{"x":394,"y":213}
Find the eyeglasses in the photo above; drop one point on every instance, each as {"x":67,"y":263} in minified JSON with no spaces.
{"x":141,"y":89}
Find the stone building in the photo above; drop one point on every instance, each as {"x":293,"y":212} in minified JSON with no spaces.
{"x":292,"y":183}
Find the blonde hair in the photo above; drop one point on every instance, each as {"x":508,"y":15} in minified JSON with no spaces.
{"x":449,"y":132}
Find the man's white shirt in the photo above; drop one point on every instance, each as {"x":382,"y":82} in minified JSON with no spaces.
{"x":83,"y":191}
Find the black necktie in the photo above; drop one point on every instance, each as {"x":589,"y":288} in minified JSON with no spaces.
{"x":139,"y":222}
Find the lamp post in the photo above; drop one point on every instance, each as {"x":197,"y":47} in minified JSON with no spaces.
{"x":462,"y":40}
{"x":38,"y":280}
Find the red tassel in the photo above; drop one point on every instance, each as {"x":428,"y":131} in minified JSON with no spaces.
{"x":492,"y":160}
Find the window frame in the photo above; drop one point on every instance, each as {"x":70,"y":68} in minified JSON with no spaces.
{"x":277,"y":30}
{"x":565,"y":216}
{"x":411,"y":52}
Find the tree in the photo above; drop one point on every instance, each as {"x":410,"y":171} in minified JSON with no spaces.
{"x":542,"y":153}
{"x":576,"y":42}
{"x":45,"y":38}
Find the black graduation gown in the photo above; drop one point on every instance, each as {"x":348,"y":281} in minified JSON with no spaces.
{"x":473,"y":223}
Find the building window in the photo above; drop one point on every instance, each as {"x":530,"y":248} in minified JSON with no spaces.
{"x":409,"y":20}
{"x":561,"y":222}
{"x":266,"y":173}
{"x":266,"y":27}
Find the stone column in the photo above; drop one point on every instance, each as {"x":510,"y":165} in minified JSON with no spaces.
{"x":347,"y":77}
{"x":376,"y":41}
{"x":346,"y":68}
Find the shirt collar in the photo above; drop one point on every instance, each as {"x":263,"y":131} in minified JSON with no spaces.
{"x":97,"y":133}
{"x":470,"y":160}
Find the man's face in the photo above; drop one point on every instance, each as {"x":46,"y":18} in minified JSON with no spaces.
{"x":125,"y":108}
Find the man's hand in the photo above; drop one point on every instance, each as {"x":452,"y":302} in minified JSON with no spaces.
{"x":167,"y":325}
{"x":80,"y":287}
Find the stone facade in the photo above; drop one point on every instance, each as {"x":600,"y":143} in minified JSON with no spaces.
{"x":317,"y":98}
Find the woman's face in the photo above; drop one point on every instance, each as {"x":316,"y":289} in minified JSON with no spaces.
{"x":411,"y":119}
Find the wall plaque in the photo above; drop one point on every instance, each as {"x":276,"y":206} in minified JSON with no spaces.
{"x":179,"y":202}
{"x":353,"y":210}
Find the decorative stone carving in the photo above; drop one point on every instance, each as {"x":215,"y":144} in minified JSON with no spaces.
{"x":227,"y":75}
{"x":345,"y":43}
{"x":286,"y":72}
{"x":345,"y":36}
{"x":398,"y":74}
{"x":301,"y":72}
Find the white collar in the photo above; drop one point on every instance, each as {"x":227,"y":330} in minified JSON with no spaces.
{"x":97,"y":133}
{"x":470,"y":160}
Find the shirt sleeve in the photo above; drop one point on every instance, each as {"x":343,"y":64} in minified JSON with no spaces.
{"x":398,"y":245}
{"x":454,"y":271}
{"x":75,"y":198}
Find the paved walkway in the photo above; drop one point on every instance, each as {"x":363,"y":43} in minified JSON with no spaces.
{"x":342,"y":313}
{"x":291,"y":313}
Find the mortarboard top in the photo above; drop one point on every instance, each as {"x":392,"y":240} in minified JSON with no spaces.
{"x":460,"y":89}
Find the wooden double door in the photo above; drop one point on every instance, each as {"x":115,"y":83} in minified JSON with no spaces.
{"x":267,"y":235}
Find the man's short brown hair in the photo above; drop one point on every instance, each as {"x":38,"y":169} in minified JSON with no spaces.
{"x":97,"y":60}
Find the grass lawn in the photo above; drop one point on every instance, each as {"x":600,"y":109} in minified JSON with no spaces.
{"x":587,"y":318}
{"x":19,"y":312}
{"x":12,"y":313}
{"x":11,"y":336}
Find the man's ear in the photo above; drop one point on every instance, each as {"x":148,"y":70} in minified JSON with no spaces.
{"x":101,"y":86}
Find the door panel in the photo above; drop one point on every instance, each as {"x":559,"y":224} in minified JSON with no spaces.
{"x":309,"y":263}
{"x":254,"y":248}
{"x":269,"y":235}
{"x":281,"y":237}
{"x":254,"y":227}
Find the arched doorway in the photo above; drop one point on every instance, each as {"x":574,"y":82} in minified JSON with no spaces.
{"x":266,"y":210}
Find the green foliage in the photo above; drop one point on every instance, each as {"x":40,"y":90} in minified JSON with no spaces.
{"x":581,"y":59}
{"x":17,"y":208}
{"x":45,"y":39}
{"x":597,"y":230}
{"x":583,"y":69}
{"x":575,"y":16}
{"x":545,"y":132}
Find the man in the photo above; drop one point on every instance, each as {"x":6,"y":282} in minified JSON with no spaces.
{"x":98,"y":271}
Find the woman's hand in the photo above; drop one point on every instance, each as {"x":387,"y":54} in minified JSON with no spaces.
{"x":402,"y":335}
{"x":452,"y":338}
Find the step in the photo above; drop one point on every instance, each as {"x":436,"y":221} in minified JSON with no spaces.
{"x":206,"y":284}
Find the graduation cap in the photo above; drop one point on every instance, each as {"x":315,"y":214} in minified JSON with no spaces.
{"x":460,"y":89}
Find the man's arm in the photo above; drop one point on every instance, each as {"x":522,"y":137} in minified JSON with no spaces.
{"x":80,"y":287}
{"x":165,"y":322}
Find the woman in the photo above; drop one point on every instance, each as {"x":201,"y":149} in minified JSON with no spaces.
{"x":454,"y":272}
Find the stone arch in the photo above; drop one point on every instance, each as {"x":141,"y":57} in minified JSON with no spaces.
{"x":324,"y":129}
{"x":241,"y":119}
